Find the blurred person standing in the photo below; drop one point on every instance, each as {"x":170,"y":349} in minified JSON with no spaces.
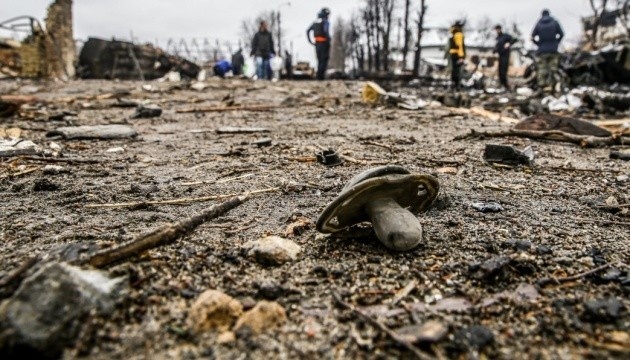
{"x":263,"y":50}
{"x":502,"y":49}
{"x":457,"y":52}
{"x":547,"y":35}
{"x":321,"y":33}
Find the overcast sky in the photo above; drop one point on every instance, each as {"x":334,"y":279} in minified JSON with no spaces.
{"x":161,"y":20}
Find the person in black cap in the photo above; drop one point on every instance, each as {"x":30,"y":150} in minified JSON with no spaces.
{"x":547,"y":35}
{"x":502,"y":48}
{"x":457,"y":51}
{"x":321,"y":33}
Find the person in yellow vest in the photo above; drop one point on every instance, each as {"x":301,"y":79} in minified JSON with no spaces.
{"x":457,"y":50}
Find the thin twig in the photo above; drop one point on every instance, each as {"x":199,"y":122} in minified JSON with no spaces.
{"x":382,"y":327}
{"x":27,"y":171}
{"x":404,"y":292}
{"x":607,"y":222}
{"x":59,"y":160}
{"x":553,"y":135}
{"x":217,"y":181}
{"x":229,"y":108}
{"x":374,"y":143}
{"x":161,"y":236}
{"x":584,"y":274}
{"x":181,"y":201}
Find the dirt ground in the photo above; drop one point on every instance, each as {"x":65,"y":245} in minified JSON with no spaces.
{"x":481,"y":275}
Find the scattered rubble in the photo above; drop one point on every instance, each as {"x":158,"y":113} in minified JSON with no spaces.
{"x":508,"y":155}
{"x":273,"y":250}
{"x":103,"y":59}
{"x":263,"y":317}
{"x":103,"y":132}
{"x":487,"y":207}
{"x":148,"y":111}
{"x":48,"y":311}
{"x":214,"y":310}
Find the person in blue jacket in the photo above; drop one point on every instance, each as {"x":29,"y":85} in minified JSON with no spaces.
{"x":547,"y":35}
{"x":321,"y":32}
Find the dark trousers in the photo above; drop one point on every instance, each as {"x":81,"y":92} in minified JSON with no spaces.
{"x":323,"y":54}
{"x":456,"y":72}
{"x":504,"y":64}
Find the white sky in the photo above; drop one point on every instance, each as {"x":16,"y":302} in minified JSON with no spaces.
{"x":161,"y":20}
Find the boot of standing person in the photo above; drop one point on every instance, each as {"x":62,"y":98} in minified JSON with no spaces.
{"x":321,"y":33}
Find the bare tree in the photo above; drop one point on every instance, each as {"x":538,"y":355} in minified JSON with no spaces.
{"x":387,"y":7}
{"x":420,"y":29}
{"x":624,"y":8}
{"x":405,"y":49}
{"x":485,"y":27}
{"x":599,"y":9}
{"x":339,"y":49}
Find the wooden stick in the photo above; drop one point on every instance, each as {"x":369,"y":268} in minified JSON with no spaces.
{"x":485,"y":114}
{"x":60,"y":160}
{"x":582,"y":140}
{"x":608,"y":222}
{"x":404,"y":292}
{"x":382,"y":327}
{"x":10,"y":283}
{"x":228,"y":108}
{"x":217,"y":181}
{"x":161,"y":236}
{"x":546,"y":281}
{"x":374,"y":143}
{"x":181,"y":201}
{"x":27,"y":171}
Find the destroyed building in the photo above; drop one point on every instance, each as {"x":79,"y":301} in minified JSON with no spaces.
{"x":45,"y":51}
{"x":103,"y":59}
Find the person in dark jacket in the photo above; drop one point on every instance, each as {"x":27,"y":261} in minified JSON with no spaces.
{"x":457,"y":52}
{"x":262,"y":50}
{"x":321,"y":33}
{"x":547,"y":35}
{"x":238,"y":61}
{"x":502,"y":49}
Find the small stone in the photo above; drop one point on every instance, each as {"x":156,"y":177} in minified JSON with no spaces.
{"x":214,"y":310}
{"x":622,"y":178}
{"x":148,"y":111}
{"x":262,"y":142}
{"x":447,"y":170}
{"x":270,"y":290}
{"x":226,"y":337}
{"x":493,"y":266}
{"x":543,"y":250}
{"x":46,"y":313}
{"x":45,"y":185}
{"x":486,"y":207}
{"x":603,"y":310}
{"x":611,"y":274}
{"x":115,"y":150}
{"x":474,"y":337}
{"x":264,"y":316}
{"x":432,"y":331}
{"x":53,"y":169}
{"x":54,"y":146}
{"x":273,"y":250}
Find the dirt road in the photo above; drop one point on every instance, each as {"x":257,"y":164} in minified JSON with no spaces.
{"x":480,"y":276}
